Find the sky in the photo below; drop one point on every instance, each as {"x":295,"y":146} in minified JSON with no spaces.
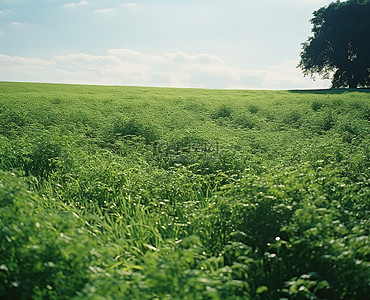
{"x":234,"y":44}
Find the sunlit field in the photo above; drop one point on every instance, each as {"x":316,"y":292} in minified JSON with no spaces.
{"x":163,"y":193}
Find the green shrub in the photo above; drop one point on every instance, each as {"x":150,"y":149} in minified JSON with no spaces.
{"x":43,"y":254}
{"x":12,"y":121}
{"x":43,"y":158}
{"x":316,"y":105}
{"x":223,"y":111}
{"x":293,"y":118}
{"x":245,"y":121}
{"x":305,"y":230}
{"x":132,"y":127}
{"x":320,"y":122}
{"x":253,"y":109}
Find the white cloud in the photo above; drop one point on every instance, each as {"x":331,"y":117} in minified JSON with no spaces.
{"x":130,"y":4}
{"x":136,"y":57}
{"x":318,"y":3}
{"x":83,"y":59}
{"x":75,"y":4}
{"x":105,"y":10}
{"x":182,"y":58}
{"x":85,"y":68}
{"x":5,"y":11}
{"x":130,"y":67}
{"x":6,"y":60}
{"x":17,"y":23}
{"x":315,"y":1}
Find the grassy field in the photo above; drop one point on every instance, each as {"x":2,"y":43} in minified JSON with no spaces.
{"x":159,"y":193}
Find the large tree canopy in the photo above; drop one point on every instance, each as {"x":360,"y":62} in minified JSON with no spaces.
{"x":340,"y":45}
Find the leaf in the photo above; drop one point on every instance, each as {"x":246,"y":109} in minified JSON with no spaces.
{"x":261,"y":289}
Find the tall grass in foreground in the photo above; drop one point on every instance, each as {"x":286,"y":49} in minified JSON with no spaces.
{"x":129,"y":193}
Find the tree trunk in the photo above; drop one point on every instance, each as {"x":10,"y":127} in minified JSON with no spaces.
{"x":352,"y":82}
{"x":352,"y":85}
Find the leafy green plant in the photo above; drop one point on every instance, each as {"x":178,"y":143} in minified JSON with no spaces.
{"x":253,"y":109}
{"x":133,"y":127}
{"x":293,"y":118}
{"x":223,"y":111}
{"x":316,"y":105}
{"x":245,"y":121}
{"x":133,"y":192}
{"x":44,"y":254}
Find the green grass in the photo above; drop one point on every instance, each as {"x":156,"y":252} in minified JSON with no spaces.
{"x":162,"y":193}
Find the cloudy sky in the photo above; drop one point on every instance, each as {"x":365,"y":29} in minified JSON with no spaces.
{"x":245,"y":44}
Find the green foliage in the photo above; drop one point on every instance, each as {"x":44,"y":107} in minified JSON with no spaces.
{"x":223,"y":111}
{"x":338,"y":46}
{"x":132,"y":127}
{"x":247,"y":121}
{"x":253,"y":109}
{"x":44,"y":253}
{"x":316,"y":105}
{"x":146,"y":193}
{"x":293,"y":118}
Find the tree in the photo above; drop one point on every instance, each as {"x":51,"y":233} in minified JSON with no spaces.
{"x":340,"y":45}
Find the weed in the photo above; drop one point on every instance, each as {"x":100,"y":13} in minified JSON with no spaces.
{"x":150,"y":193}
{"x":223,"y":111}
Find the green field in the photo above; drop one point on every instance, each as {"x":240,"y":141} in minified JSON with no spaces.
{"x":162,"y":193}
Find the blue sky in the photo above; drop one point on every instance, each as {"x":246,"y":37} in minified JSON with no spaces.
{"x":179,"y":43}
